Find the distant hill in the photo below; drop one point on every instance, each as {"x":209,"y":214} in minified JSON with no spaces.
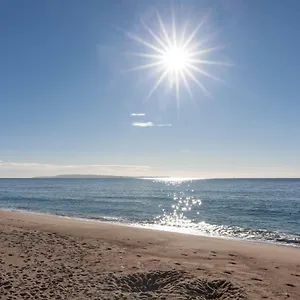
{"x":83,"y":176}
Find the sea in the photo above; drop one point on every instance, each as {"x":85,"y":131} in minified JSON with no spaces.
{"x":258,"y":210}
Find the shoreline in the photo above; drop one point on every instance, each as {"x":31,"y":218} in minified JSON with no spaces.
{"x":160,"y":228}
{"x":47,"y":219}
{"x":86,"y":254}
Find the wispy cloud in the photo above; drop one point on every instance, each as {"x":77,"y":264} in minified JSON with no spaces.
{"x":38,"y":165}
{"x":143,"y":124}
{"x":24,"y":165}
{"x":138,"y":115}
{"x":149,"y":124}
{"x":29,"y":169}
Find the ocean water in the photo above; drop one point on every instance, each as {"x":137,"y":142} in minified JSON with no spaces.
{"x":262,"y":210}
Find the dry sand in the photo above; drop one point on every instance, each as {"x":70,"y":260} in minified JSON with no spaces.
{"x":46,"y":257}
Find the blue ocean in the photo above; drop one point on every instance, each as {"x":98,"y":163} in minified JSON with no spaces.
{"x":260,"y":210}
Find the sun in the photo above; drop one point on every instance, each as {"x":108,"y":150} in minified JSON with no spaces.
{"x":175,"y":60}
{"x":176,"y":56}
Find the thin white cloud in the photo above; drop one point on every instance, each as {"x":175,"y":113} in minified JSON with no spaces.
{"x":149,"y":124}
{"x":138,"y":115}
{"x":143,"y":124}
{"x":29,"y":169}
{"x":23,"y":165}
{"x":37,"y":165}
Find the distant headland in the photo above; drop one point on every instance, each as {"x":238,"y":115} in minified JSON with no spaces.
{"x":82,"y":176}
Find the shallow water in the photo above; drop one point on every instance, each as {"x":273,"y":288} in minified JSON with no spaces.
{"x":266,"y":210}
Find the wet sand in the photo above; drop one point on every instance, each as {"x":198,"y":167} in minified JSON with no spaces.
{"x":47,"y":257}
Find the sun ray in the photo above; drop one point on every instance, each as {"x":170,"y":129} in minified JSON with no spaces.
{"x":165,"y":48}
{"x":177,"y":90}
{"x":146,"y":66}
{"x":146,"y":55}
{"x":205,"y":51}
{"x":204,"y":40}
{"x":183,"y":33}
{"x":191,"y":75}
{"x":194,"y":32}
{"x":176,"y":56}
{"x":143,"y":42}
{"x":210,"y":62}
{"x":200,"y":71}
{"x":174,"y":30}
{"x":162,"y":26}
{"x":157,"y":84}
{"x":187,"y":86}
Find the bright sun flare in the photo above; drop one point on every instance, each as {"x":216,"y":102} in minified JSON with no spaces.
{"x":176,"y":57}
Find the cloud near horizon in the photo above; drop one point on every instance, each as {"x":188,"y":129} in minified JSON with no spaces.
{"x":32,"y":169}
{"x":29,"y":169}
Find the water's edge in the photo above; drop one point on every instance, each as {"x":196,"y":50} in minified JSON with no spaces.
{"x":171,"y":229}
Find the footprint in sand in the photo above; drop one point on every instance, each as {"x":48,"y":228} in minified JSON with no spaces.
{"x":290,"y":285}
{"x":227,"y":272}
{"x":232,"y":255}
{"x":256,"y":279}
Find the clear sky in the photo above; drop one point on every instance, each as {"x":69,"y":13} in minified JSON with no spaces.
{"x":67,"y":97}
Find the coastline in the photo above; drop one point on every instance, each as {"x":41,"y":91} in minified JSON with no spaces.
{"x":258,"y":270}
{"x":155,"y":227}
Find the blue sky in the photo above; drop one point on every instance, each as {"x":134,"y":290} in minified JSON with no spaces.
{"x":66,"y":97}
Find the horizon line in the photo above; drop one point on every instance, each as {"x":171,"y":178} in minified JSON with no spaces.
{"x":94,"y":176}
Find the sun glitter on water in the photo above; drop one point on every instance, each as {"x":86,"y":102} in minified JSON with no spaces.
{"x":176,"y":55}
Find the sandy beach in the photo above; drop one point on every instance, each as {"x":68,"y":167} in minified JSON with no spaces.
{"x":48,"y":257}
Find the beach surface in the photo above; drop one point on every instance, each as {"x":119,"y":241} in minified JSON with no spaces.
{"x":49,"y":257}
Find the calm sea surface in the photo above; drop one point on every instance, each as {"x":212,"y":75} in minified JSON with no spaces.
{"x":264,"y":210}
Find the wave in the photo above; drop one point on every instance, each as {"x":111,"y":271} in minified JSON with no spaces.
{"x":181,"y":224}
{"x":184,"y":225}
